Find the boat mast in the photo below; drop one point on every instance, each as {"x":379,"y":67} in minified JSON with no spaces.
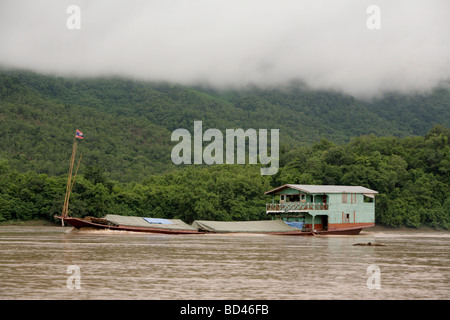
{"x":70,"y":181}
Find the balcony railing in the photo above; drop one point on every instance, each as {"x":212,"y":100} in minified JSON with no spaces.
{"x":295,"y":207}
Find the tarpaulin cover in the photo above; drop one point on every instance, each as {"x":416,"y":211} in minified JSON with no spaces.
{"x":157,"y":220}
{"x":264,"y":226}
{"x":141,"y":222}
{"x":296,"y":224}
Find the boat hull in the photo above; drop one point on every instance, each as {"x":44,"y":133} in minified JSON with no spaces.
{"x":82,"y":223}
{"x":341,"y":231}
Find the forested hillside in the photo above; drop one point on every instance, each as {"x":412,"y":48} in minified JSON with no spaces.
{"x":398,"y":145}
{"x":128,"y":124}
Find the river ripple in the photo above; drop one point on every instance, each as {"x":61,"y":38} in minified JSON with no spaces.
{"x":34,"y":264}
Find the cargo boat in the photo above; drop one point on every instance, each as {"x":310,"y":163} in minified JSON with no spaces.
{"x":301,"y":210}
{"x":135,"y":224}
{"x":176,"y":226}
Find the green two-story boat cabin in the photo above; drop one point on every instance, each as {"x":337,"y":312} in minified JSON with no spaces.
{"x":328,"y":208}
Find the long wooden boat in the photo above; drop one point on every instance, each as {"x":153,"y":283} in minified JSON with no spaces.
{"x":79,"y":223}
{"x":99,"y":223}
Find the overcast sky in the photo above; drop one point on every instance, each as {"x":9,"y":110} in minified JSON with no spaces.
{"x":234,"y":43}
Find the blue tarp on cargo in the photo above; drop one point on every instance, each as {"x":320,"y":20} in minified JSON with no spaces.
{"x":157,"y":221}
{"x":295,"y":224}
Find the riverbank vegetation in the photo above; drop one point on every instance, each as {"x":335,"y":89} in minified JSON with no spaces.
{"x":412,"y":176}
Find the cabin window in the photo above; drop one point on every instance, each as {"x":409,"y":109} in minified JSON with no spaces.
{"x":282,"y":198}
{"x":303,"y":197}
{"x":294,"y":198}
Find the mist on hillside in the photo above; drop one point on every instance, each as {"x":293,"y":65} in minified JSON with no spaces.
{"x":332,"y":45}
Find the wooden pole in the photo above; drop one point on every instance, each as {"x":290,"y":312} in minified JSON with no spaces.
{"x":71,"y":186}
{"x":69,"y":181}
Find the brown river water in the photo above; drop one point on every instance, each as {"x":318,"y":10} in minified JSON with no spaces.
{"x":62,"y":263}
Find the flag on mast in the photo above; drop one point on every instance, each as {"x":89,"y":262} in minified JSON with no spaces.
{"x":79,"y":134}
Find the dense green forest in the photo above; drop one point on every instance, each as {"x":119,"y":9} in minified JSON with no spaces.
{"x":397,"y":145}
{"x":128,"y":124}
